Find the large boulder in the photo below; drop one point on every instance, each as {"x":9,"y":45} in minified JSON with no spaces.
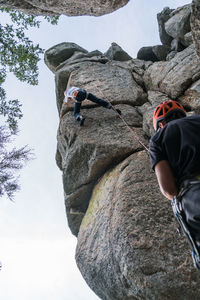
{"x":59,"y":53}
{"x":105,"y":80}
{"x":175,"y":76}
{"x":146,"y":53}
{"x":162,"y":18}
{"x":147,"y":110}
{"x":128,"y":247}
{"x":191,"y":97}
{"x":115,"y":52}
{"x":153,"y":53}
{"x":65,"y":7}
{"x":195,"y":24}
{"x":87,"y":152}
{"x":179,"y":23}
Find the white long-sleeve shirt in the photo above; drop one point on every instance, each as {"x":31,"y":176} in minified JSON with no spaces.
{"x":69,"y":93}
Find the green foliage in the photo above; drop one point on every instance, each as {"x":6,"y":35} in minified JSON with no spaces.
{"x":10,"y":162}
{"x":19,"y":55}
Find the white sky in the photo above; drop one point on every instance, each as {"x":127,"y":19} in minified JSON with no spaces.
{"x":36,"y":247}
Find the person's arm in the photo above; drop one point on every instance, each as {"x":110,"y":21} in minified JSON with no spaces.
{"x":166,"y":179}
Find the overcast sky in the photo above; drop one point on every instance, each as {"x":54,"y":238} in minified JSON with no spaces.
{"x":36,"y":247}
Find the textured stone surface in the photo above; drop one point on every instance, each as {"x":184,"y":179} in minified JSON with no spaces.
{"x":162,"y":18}
{"x":195,"y":24}
{"x":179,"y":23}
{"x":171,"y":55}
{"x":146,"y":53}
{"x":115,"y":52}
{"x":147,"y":110}
{"x":65,"y":7}
{"x":87,"y":152}
{"x":59,"y":53}
{"x":153,"y":53}
{"x":191,"y":98}
{"x":161,"y":51}
{"x":105,"y":80}
{"x":175,"y":76}
{"x":128,"y":247}
{"x":187,"y":39}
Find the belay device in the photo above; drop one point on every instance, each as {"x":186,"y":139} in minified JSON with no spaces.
{"x":180,"y":216}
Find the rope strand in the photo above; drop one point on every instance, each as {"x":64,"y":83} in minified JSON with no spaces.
{"x":130,"y":129}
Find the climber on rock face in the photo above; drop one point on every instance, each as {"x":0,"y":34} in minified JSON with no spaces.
{"x":79,"y":95}
{"x":175,"y":157}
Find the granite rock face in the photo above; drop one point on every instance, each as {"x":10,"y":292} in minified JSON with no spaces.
{"x":175,"y":76}
{"x":195,"y":24}
{"x":65,"y":7}
{"x":175,"y":34}
{"x":179,"y":22}
{"x":128,"y":247}
{"x":162,"y":18}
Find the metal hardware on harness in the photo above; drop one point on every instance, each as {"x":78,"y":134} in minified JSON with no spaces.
{"x":179,"y":214}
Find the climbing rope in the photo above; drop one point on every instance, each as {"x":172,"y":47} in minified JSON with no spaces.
{"x":126,"y":124}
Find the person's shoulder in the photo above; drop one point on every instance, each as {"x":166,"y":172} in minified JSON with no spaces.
{"x":72,"y":88}
{"x":156,"y":135}
{"x":195,"y":118}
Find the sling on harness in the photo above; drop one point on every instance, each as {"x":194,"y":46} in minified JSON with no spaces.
{"x":180,"y":216}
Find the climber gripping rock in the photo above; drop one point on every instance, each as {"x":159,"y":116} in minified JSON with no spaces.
{"x":79,"y":95}
{"x":175,"y":157}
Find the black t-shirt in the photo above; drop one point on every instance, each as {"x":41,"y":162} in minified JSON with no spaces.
{"x":178,"y":143}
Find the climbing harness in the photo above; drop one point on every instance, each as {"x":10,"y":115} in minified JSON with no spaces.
{"x":180,"y":216}
{"x":131,"y":130}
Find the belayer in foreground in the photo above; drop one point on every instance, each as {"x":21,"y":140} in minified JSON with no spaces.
{"x":175,"y":157}
{"x":79,"y":95}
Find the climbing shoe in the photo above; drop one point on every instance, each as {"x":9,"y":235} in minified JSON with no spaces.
{"x":81,"y":120}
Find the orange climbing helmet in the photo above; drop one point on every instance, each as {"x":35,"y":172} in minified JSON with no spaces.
{"x":163,"y":109}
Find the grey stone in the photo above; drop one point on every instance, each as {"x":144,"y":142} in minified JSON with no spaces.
{"x":191,"y":98}
{"x":161,"y":51}
{"x":171,"y":55}
{"x":104,"y":80}
{"x":128,"y":247}
{"x":176,"y":45}
{"x":175,"y":76}
{"x":115,"y":52}
{"x":127,"y":243}
{"x":179,"y":23}
{"x":80,"y":56}
{"x":187,"y":39}
{"x":146,"y":53}
{"x":59,"y":53}
{"x":87,"y":152}
{"x":162,"y":18}
{"x":154,"y":98}
{"x":65,"y":7}
{"x":195,"y":24}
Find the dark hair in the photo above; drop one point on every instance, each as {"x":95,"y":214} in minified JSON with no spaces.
{"x":173,"y":115}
